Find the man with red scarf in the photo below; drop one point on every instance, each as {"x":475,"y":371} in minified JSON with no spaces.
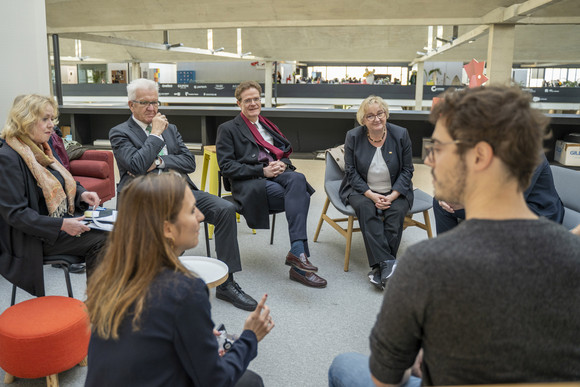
{"x":253,"y":156}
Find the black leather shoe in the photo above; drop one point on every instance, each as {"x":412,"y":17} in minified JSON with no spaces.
{"x":308,"y":279}
{"x":300,"y":262}
{"x":231,"y":292}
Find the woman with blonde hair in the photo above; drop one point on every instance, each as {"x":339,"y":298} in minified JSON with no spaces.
{"x":39,"y":198}
{"x":377,"y":184}
{"x":150,"y":316}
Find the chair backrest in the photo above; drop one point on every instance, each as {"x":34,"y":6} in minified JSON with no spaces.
{"x":333,"y":171}
{"x":333,"y":176}
{"x":567,"y":183}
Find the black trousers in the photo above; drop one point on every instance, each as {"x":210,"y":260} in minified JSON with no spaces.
{"x":287,"y":192}
{"x":222,"y":214}
{"x":250,"y":379}
{"x":381,"y":233}
{"x":88,"y":245}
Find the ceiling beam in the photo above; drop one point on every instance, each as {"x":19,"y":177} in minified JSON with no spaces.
{"x":474,"y":33}
{"x":266,"y":24}
{"x":500,"y":15}
{"x":155,"y":46}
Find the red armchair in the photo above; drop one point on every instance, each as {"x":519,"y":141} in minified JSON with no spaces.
{"x":95,"y":171}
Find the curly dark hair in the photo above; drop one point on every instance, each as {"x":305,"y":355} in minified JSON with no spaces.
{"x":502,"y":117}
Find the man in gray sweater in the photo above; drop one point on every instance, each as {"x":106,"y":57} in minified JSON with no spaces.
{"x":496,"y":299}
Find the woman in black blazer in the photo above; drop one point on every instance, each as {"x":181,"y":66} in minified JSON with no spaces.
{"x":377,"y":184}
{"x":150,"y":316}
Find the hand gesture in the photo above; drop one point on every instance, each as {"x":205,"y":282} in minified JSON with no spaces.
{"x":159,"y":124}
{"x":274,"y":169}
{"x":259,"y":321}
{"x":450,"y":207}
{"x":91,"y":198}
{"x":74,"y":226}
{"x":382,"y":202}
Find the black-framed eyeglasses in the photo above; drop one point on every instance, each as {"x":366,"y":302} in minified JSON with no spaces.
{"x":249,"y":101}
{"x":432,"y":147}
{"x":371,"y":117}
{"x":148,"y":103}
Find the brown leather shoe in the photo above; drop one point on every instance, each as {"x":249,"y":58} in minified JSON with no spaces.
{"x":308,"y":279}
{"x":301,"y":263}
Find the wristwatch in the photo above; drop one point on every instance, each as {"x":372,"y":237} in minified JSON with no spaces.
{"x":157,"y":162}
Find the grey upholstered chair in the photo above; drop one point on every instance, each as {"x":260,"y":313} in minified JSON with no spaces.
{"x":332,"y":179}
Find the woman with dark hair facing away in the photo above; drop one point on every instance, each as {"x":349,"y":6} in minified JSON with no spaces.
{"x":377,"y":184}
{"x":150,"y":316}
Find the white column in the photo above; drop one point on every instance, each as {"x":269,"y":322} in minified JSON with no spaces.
{"x":500,"y":53}
{"x":419,"y":86}
{"x":24,"y":65}
{"x":135,"y":71}
{"x":268,"y":83}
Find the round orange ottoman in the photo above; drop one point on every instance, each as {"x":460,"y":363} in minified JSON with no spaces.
{"x":43,"y":336}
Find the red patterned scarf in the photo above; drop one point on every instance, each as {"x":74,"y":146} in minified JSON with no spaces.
{"x":279,"y":153}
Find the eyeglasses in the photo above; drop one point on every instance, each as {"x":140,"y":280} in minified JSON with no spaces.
{"x":433,"y":147}
{"x":371,"y":117}
{"x":148,"y":103}
{"x":250,"y":101}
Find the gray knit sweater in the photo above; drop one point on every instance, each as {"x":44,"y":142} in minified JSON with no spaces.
{"x":489,"y":302}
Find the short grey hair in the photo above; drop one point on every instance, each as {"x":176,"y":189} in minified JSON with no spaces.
{"x":140,"y":84}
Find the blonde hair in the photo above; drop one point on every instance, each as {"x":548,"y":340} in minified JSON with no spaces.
{"x":137,"y":251}
{"x":370,"y":100}
{"x":25,"y":113}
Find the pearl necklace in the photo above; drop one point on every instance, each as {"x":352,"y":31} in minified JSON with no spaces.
{"x":382,"y":137}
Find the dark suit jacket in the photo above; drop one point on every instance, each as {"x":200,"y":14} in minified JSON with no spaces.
{"x":174,"y":346}
{"x":541,"y":195}
{"x":237,"y":153}
{"x":135,"y":152}
{"x":24,"y":223}
{"x":359,"y":153}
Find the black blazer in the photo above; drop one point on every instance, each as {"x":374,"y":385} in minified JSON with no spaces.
{"x":135,"y":152}
{"x":237,"y":154}
{"x":25,"y":223}
{"x":174,"y":346}
{"x":359,"y":153}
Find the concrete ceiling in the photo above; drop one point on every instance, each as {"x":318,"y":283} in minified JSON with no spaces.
{"x":340,"y":31}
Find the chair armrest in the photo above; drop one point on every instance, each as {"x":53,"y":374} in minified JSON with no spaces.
{"x":89,"y":168}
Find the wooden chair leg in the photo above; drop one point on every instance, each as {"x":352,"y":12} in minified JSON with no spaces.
{"x":348,"y":242}
{"x":428,"y":223}
{"x":8,"y":378}
{"x":324,"y":209}
{"x":52,"y":380}
{"x":84,"y":362}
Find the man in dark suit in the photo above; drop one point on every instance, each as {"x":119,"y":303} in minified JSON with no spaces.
{"x":147,"y":143}
{"x":253,"y":156}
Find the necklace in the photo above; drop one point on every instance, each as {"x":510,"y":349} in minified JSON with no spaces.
{"x":382,"y":137}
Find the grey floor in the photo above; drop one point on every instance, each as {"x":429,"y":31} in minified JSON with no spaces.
{"x":312,"y":325}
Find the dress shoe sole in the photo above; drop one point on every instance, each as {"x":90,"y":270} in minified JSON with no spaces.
{"x":249,"y":308}
{"x":295,"y":265}
{"x":306,"y":282}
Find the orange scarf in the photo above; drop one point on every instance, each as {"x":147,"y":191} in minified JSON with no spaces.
{"x":38,"y":159}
